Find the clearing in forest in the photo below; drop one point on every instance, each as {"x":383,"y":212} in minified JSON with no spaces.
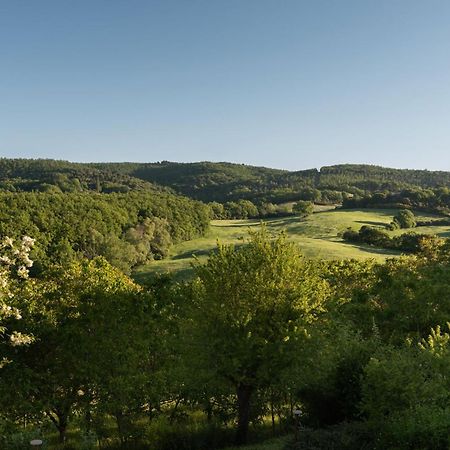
{"x":318,"y":235}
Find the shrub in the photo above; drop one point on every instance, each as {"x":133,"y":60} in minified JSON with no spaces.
{"x":405,"y":219}
{"x":303,"y":207}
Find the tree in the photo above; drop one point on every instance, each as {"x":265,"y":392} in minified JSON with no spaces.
{"x":242,"y":209}
{"x":217,"y":210}
{"x":303,"y":208}
{"x":91,"y":346}
{"x":405,"y":219}
{"x":253,"y":305}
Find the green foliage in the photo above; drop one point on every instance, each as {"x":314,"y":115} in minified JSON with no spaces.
{"x":408,"y":297}
{"x":396,"y":380}
{"x":93,"y":335}
{"x":188,"y":435}
{"x":253,"y":307}
{"x":127,"y":229}
{"x":241,"y":209}
{"x":404,"y":219}
{"x":406,"y":394}
{"x":254,"y":300}
{"x":328,"y":383}
{"x":17,"y":439}
{"x":259,"y":330}
{"x":428,"y":245}
{"x":356,"y":185}
{"x":369,"y":235}
{"x":303,"y":207}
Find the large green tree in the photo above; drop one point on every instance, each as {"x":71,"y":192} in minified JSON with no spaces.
{"x":91,"y":350}
{"x":253,"y":307}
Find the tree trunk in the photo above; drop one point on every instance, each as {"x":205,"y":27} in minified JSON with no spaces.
{"x":244,"y":393}
{"x":62,"y":432}
{"x":209,"y":411}
{"x":59,"y":418}
{"x":120,"y":426}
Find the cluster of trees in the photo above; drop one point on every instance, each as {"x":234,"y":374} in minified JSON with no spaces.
{"x":405,"y":218}
{"x":127,"y":229}
{"x":424,"y":199}
{"x":362,"y":347}
{"x":245,"y":209}
{"x":405,"y":243}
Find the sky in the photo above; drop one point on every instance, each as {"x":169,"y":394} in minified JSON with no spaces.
{"x":289,"y":84}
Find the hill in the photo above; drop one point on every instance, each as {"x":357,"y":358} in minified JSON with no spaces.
{"x":208,"y":181}
{"x":47,"y":175}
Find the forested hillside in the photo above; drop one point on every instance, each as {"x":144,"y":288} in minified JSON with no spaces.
{"x":47,"y":175}
{"x":225,"y":181}
{"x":131,"y":229}
{"x":220,"y":182}
{"x":127,"y":229}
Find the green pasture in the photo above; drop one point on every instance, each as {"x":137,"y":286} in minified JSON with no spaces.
{"x":319,"y":236}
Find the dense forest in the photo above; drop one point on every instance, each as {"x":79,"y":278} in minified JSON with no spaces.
{"x":220,"y":182}
{"x":127,"y":229}
{"x":237,"y":191}
{"x":259,"y":342}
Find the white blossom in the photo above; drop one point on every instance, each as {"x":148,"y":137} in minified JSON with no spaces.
{"x":18,"y":338}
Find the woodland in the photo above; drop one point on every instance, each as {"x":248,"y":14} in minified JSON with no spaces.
{"x":259,"y":342}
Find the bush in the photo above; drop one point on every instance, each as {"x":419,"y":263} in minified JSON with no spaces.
{"x":13,"y":437}
{"x":369,"y":235}
{"x":422,"y":427}
{"x":405,"y":219}
{"x":406,"y":396}
{"x":303,"y":207}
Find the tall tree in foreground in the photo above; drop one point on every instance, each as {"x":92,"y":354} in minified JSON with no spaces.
{"x":91,"y":328}
{"x":253,"y":306}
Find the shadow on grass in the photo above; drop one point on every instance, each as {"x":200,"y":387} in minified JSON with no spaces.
{"x":190,"y":254}
{"x":274,"y":221}
{"x":371,"y":222}
{"x":375,"y":250}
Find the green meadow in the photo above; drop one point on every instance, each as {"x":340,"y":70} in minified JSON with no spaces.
{"x":319,"y":236}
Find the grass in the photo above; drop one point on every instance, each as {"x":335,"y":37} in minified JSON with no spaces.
{"x":317,"y":235}
{"x":271,"y":444}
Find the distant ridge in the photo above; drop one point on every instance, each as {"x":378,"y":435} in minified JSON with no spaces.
{"x":211,"y":181}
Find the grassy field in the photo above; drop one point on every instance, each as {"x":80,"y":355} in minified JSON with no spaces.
{"x":318,"y":237}
{"x":271,"y":444}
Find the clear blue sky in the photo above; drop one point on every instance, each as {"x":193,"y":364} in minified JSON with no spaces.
{"x":282,"y":83}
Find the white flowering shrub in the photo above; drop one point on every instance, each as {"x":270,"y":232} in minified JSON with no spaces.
{"x":14,"y":263}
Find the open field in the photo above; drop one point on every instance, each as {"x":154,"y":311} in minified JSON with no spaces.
{"x":318,"y":237}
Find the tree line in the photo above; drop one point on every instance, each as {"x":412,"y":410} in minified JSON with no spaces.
{"x":226,"y":182}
